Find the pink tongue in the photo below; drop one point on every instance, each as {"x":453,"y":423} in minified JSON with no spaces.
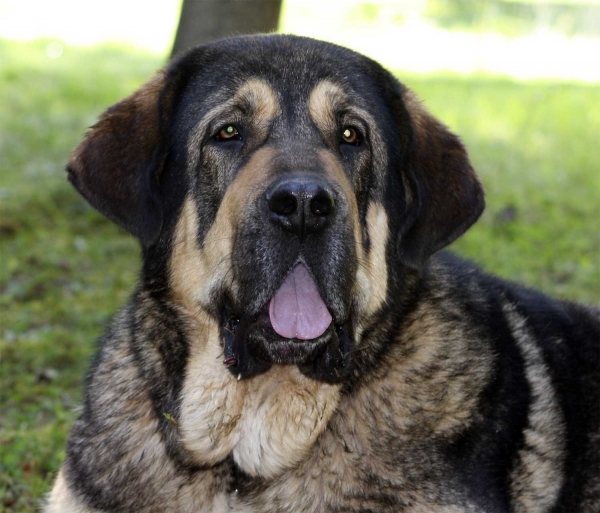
{"x":297,"y":310}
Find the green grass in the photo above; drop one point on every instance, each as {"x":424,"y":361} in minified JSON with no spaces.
{"x":516,"y":17}
{"x":64,"y":269}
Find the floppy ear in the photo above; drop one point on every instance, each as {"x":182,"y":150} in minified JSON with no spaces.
{"x":446,"y":195}
{"x":116,"y":166}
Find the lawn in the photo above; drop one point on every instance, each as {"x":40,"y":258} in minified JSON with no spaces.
{"x":64,"y":269}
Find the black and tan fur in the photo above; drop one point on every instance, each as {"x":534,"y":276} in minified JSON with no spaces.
{"x":437,"y":388}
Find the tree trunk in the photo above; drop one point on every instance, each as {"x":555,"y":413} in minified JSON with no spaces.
{"x":205,"y":20}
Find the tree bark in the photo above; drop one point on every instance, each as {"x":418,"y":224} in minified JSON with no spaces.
{"x":205,"y":20}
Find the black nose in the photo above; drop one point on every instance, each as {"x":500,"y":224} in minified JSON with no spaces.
{"x":302,"y":204}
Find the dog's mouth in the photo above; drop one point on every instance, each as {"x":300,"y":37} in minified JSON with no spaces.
{"x":294,"y":328}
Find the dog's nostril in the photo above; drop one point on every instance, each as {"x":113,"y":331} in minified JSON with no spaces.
{"x":283,"y":203}
{"x":322,"y":204}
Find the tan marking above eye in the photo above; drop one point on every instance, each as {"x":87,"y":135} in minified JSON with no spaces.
{"x":328,"y":99}
{"x":325,"y":99}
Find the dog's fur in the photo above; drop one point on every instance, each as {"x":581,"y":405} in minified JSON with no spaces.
{"x":437,"y":388}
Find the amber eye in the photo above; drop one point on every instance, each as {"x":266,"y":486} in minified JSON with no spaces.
{"x":350,"y":136}
{"x":228,"y":133}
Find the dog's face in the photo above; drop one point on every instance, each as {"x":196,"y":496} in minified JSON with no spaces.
{"x":286,"y":187}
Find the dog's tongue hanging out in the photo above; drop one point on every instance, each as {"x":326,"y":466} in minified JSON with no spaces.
{"x":297,"y":310}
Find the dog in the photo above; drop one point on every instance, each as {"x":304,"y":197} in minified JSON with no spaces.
{"x":297,"y":342}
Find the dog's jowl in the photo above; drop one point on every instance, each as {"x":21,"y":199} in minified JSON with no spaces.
{"x":296,"y":343}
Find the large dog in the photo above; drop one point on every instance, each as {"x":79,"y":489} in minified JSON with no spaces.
{"x":292,"y":344}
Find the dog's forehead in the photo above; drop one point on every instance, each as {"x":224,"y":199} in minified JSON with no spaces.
{"x":290,"y":68}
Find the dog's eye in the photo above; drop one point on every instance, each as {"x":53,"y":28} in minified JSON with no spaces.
{"x":228,"y":133}
{"x":350,"y":136}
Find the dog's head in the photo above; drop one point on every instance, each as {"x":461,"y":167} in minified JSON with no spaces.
{"x":283,"y":185}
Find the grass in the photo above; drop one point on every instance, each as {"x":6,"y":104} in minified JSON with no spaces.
{"x":516,"y":17}
{"x":64,"y":269}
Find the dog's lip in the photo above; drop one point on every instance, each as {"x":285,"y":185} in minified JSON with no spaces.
{"x":287,"y":350}
{"x":251,"y":346}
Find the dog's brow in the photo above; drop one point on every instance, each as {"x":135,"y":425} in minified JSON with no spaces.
{"x":328,"y":98}
{"x":257,"y":97}
{"x":254,"y":98}
{"x":325,"y":99}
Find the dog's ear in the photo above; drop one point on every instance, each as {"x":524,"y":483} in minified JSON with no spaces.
{"x":117,"y":164}
{"x":445,"y":196}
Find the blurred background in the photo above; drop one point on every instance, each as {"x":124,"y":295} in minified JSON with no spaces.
{"x":519,"y":81}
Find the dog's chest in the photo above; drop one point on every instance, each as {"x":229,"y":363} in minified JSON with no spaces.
{"x":353,"y":467}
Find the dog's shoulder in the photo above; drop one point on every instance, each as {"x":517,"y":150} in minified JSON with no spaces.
{"x":566,"y":334}
{"x":545,"y":370}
